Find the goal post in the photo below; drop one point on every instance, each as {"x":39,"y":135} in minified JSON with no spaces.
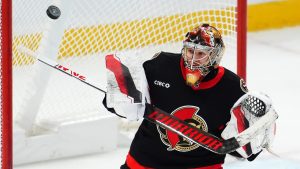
{"x":242,"y":38}
{"x":61,"y":110}
{"x":6,"y":84}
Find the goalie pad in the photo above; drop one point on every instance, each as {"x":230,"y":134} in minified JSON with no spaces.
{"x":246,"y":112}
{"x":127,"y":87}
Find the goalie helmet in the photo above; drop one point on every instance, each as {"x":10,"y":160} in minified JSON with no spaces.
{"x":202,"y":51}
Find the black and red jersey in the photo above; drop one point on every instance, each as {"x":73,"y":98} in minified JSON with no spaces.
{"x":207,"y":107}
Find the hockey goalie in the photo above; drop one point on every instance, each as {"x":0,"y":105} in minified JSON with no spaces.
{"x":191,"y":86}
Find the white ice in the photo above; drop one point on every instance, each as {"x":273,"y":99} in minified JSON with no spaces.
{"x":273,"y":61}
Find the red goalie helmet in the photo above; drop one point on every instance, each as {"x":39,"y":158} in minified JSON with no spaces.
{"x":202,"y":51}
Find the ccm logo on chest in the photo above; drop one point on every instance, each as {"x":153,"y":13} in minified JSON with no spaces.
{"x":162,"y":84}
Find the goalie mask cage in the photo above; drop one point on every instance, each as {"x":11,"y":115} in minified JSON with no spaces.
{"x":65,"y":113}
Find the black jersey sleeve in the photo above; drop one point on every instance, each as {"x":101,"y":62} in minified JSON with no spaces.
{"x":238,"y":85}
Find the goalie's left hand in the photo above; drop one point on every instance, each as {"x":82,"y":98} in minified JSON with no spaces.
{"x":246,"y":112}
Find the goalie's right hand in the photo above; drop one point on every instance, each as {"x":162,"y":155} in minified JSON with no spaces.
{"x":112,"y":110}
{"x":130,"y":111}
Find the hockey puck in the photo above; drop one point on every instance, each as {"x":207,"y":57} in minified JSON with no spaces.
{"x":53,"y":12}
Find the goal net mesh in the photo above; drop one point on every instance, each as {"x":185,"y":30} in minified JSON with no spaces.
{"x":80,"y":38}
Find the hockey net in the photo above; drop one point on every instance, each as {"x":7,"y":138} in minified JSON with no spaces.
{"x":80,"y":38}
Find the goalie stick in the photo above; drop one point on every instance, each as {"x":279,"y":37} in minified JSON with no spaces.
{"x":170,"y":122}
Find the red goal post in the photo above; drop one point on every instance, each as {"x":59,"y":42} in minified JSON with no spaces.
{"x":242,"y":38}
{"x":6,"y":84}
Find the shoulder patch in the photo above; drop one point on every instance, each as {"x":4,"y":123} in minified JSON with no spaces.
{"x":243,"y":86}
{"x":156,"y":55}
